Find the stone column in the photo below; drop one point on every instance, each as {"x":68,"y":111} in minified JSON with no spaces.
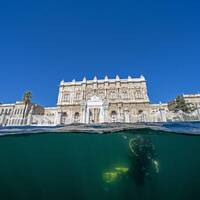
{"x":83,"y":110}
{"x":118,"y":114}
{"x":106,"y":119}
{"x":87,"y":115}
{"x":101,"y":115}
{"x":29,"y":117}
{"x":58,"y":116}
{"x":127,"y":117}
{"x":163,"y":115}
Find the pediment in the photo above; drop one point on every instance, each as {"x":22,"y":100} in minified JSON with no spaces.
{"x":95,"y":99}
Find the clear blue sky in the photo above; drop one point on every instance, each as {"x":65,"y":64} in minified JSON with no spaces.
{"x":43,"y":42}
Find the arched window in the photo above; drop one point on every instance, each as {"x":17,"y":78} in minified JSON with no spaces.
{"x":140,"y":111}
{"x":113,"y":94}
{"x":114,"y":116}
{"x":124,"y":94}
{"x":138,"y":94}
{"x":64,"y":118}
{"x":64,"y":114}
{"x":78,"y":96}
{"x":66,"y":97}
{"x":141,"y":116}
{"x":76,"y":117}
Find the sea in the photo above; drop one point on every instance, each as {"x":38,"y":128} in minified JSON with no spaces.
{"x":160,"y":163}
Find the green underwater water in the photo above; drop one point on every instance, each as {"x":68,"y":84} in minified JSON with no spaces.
{"x":71,"y":166}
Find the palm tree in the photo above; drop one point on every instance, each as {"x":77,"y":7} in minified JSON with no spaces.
{"x":26,"y":99}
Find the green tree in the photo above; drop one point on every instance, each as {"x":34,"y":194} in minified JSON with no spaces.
{"x":181,"y":104}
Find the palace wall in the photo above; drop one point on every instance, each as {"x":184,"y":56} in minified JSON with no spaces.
{"x":18,"y":113}
{"x":97,"y":101}
{"x":120,"y":100}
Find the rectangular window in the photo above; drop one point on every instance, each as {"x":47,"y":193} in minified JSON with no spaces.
{"x":66,"y":97}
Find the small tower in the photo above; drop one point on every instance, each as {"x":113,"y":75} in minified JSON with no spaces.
{"x":84,"y":80}
{"x":142,"y":77}
{"x":129,"y":78}
{"x":62,"y":82}
{"x":106,"y":78}
{"x":95,"y":79}
{"x":117,"y":78}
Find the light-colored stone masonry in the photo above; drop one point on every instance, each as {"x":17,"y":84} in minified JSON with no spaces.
{"x":95,"y":101}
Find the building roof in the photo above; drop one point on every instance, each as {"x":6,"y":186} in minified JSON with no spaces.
{"x":106,"y":79}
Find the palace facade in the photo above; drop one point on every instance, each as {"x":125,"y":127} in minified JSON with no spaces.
{"x":19,"y":113}
{"x":97,"y":101}
{"x":101,"y":101}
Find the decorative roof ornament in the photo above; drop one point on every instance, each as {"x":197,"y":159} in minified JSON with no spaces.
{"x":117,"y":78}
{"x":129,"y":78}
{"x":84,"y":79}
{"x":142,"y":77}
{"x":73,"y":81}
{"x":62,"y":82}
{"x":95,"y":79}
{"x":106,"y":78}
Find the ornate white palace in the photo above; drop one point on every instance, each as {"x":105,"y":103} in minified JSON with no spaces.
{"x":95,"y":101}
{"x":101,"y":101}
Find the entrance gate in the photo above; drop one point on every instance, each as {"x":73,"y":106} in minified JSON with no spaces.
{"x":94,"y":110}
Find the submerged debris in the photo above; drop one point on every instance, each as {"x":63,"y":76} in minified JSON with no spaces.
{"x":110,"y":177}
{"x":121,"y":169}
{"x":113,"y":176}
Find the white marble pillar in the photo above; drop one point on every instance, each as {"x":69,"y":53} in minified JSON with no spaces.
{"x":163,"y":115}
{"x":87,"y":115}
{"x":127,"y":117}
{"x":101,"y":115}
{"x":57,"y":120}
{"x":83,"y":110}
{"x":29,"y":119}
{"x":106,"y":119}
